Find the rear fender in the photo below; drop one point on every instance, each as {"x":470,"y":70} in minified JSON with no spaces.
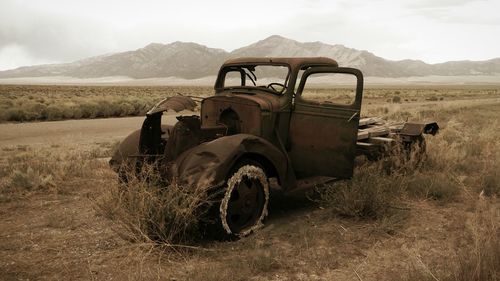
{"x":209,"y":164}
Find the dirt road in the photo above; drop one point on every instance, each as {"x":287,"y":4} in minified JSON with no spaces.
{"x":74,"y":131}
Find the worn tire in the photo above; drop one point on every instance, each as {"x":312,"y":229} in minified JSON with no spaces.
{"x":244,"y":202}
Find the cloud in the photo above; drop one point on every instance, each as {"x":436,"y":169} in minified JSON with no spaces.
{"x":439,"y":3}
{"x":38,"y":37}
{"x":478,"y":12}
{"x":13,"y":55}
{"x":433,"y":30}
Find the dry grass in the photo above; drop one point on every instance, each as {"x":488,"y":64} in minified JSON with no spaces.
{"x":143,"y":210}
{"x":148,"y":211}
{"x":28,"y":171}
{"x":446,"y":209}
{"x":379,"y":189}
{"x":461,"y":166}
{"x":479,"y":261}
{"x":371,"y":194}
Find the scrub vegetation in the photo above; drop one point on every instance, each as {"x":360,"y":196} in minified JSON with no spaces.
{"x":50,"y":103}
{"x":19,"y":103}
{"x":63,"y":213}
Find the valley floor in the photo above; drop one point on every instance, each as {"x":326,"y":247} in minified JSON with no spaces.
{"x":50,"y":228}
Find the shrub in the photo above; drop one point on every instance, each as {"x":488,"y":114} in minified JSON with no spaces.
{"x":15,"y":114}
{"x":396,"y":99}
{"x":145,"y":210}
{"x":32,"y":170}
{"x":35,"y":111}
{"x":54,"y":112}
{"x":370,"y":194}
{"x":126,"y":109}
{"x":76,"y":111}
{"x":29,"y":180}
{"x":437,"y":186}
{"x":88,"y":109}
{"x":490,"y":181}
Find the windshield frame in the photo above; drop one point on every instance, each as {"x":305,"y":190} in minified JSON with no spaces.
{"x":219,"y":84}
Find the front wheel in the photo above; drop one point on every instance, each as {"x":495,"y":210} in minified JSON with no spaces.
{"x":244,"y":205}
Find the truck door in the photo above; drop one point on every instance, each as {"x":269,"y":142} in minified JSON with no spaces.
{"x":324,"y":122}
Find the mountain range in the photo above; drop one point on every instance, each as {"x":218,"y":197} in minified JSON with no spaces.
{"x":191,"y":61}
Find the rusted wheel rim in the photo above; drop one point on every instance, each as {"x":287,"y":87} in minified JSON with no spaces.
{"x":246,"y":204}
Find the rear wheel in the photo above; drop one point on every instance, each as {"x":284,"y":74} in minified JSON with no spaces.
{"x":244,"y":205}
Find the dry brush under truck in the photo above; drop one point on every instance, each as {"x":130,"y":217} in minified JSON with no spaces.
{"x":293,"y":120}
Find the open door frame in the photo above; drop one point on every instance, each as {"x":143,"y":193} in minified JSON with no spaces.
{"x":322,"y":136}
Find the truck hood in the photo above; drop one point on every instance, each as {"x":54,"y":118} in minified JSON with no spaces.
{"x":266,"y":101}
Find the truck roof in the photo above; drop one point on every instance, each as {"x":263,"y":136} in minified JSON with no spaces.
{"x":292,"y":61}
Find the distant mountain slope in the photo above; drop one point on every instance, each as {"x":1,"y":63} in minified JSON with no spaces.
{"x":191,"y":60}
{"x":185,"y":60}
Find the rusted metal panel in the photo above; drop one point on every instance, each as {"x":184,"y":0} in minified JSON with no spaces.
{"x":209,"y":163}
{"x":416,"y":129}
{"x":293,"y":62}
{"x":239,"y":114}
{"x":323,"y":135}
{"x":176,"y":103}
{"x":128,"y":146}
{"x":322,"y":145}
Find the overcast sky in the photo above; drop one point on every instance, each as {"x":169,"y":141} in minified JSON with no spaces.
{"x":49,"y":31}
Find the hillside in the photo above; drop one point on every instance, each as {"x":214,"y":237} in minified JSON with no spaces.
{"x":191,"y":61}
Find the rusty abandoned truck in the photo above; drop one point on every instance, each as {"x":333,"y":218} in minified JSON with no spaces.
{"x":248,"y":133}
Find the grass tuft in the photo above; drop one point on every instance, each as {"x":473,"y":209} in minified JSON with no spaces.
{"x":437,"y":186}
{"x":146,"y":210}
{"x":29,"y":180}
{"x":370,"y":194}
{"x":477,"y":262}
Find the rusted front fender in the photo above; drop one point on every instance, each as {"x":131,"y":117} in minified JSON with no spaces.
{"x":209,"y":164}
{"x":127,"y":147}
{"x":176,"y":103}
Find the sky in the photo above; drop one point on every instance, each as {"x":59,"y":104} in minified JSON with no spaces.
{"x":55,"y":31}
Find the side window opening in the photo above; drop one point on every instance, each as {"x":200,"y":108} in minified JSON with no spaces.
{"x":330,"y":88}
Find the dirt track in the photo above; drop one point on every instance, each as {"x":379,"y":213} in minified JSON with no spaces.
{"x":73,"y":131}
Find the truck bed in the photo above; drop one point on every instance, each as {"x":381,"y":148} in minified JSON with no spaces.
{"x":376,"y":135}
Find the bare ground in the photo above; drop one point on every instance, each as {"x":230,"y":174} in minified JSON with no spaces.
{"x":60,"y":237}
